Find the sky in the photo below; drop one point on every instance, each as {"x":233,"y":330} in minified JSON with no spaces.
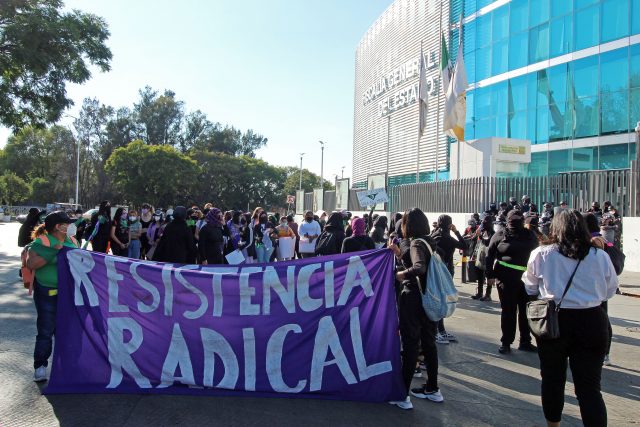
{"x":284,"y":68}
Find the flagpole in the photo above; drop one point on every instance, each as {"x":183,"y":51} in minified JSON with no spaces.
{"x":459,"y":47}
{"x":439,"y":95}
{"x":419,"y":112}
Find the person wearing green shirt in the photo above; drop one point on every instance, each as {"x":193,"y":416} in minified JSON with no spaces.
{"x":42,"y":257}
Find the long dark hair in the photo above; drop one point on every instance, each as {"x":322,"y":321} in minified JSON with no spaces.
{"x":415,"y":224}
{"x":592,"y":222}
{"x":569,"y":231}
{"x":104,"y":209}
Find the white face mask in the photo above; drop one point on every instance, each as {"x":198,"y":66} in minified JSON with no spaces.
{"x":72,"y":229}
{"x":133,"y":218}
{"x":157,"y":218}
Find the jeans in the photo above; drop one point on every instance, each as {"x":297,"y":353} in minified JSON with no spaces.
{"x":46,"y":308}
{"x":583,"y":342}
{"x":134,"y":249}
{"x":416,"y":329}
{"x":263,"y":253}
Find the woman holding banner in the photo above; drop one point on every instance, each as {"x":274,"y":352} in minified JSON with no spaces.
{"x":415,"y":327}
{"x":42,"y":258}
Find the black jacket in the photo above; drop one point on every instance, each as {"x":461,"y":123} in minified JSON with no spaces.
{"x":447,"y":245}
{"x":510,"y":248}
{"x":357,"y":243}
{"x":211,"y":244}
{"x":334,"y":227}
{"x":416,"y":258}
{"x":176,"y":244}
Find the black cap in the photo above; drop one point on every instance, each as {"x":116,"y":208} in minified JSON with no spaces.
{"x":55,"y":218}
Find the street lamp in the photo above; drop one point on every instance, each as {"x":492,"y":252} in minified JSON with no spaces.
{"x":635,"y":173}
{"x":342,"y":175}
{"x":301,"y":155}
{"x":77,"y":165}
{"x":322,"y":164}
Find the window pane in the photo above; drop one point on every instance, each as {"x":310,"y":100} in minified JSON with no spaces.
{"x":587,"y":115}
{"x":585,"y":76}
{"x":559,"y":161}
{"x":634,"y":65}
{"x":483,"y":63}
{"x":560,"y":123}
{"x":614,"y":156}
{"x":485,"y":128}
{"x":517,"y":125}
{"x":558,"y":83}
{"x":582,"y":3}
{"x":614,"y":112}
{"x":538,"y":12}
{"x":634,"y":108}
{"x":614,"y":71}
{"x":531,"y":126}
{"x":483,"y":31}
{"x":539,"y":162}
{"x":635,"y":16}
{"x":518,"y":87}
{"x":469,"y":35}
{"x":561,"y":39}
{"x":588,"y":21}
{"x":502,"y":126}
{"x":469,"y":7}
{"x":539,"y":43}
{"x":585,"y":159}
{"x":500,"y":98}
{"x":541,"y":89}
{"x":482,"y":103}
{"x":500,"y":24}
{"x":559,"y":8}
{"x":542,"y":125}
{"x":518,"y":16}
{"x":615,"y":19}
{"x":518,"y":51}
{"x":499,"y":57}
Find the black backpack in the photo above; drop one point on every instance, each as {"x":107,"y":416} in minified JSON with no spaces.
{"x":326,"y":244}
{"x":616,"y":256}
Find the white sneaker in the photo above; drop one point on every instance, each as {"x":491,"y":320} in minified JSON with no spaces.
{"x":450,"y":337}
{"x":607,"y":360}
{"x":441,"y":339}
{"x":402,"y":404}
{"x":40,"y":374}
{"x":422,"y":393}
{"x":417,"y":373}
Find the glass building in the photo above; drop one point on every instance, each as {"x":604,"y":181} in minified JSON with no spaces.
{"x":564,"y":74}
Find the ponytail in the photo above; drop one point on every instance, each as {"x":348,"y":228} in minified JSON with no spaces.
{"x":37,"y":232}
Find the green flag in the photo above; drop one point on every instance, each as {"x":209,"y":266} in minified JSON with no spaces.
{"x":445,"y":65}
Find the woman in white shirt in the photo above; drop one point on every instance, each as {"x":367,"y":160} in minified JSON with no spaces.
{"x":583,"y":322}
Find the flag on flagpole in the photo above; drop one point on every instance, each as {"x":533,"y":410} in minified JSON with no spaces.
{"x":445,"y":66}
{"x":455,"y":107}
{"x":423,"y":95}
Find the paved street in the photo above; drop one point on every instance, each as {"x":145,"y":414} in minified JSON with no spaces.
{"x":481,"y":387}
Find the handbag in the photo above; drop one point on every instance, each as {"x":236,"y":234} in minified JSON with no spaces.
{"x":542,"y":315}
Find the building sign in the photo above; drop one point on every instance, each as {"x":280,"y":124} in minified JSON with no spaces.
{"x":511,"y":149}
{"x":404,"y":96}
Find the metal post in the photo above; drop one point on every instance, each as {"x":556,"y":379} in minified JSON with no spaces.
{"x":77,"y":162}
{"x":300,"y":187}
{"x":322,"y":165}
{"x":438,"y":136}
{"x":342,"y":176}
{"x":635,"y":177}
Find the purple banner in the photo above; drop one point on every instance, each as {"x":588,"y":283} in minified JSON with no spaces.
{"x":318,"y":327}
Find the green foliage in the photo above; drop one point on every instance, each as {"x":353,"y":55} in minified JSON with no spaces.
{"x":41,"y":49}
{"x":13,"y":189}
{"x":158,"y":174}
{"x":42,"y":192}
{"x":310,"y":181}
{"x":160,"y":116}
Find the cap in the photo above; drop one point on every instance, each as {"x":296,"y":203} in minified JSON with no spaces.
{"x":55,"y":218}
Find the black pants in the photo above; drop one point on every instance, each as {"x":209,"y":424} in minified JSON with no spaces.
{"x":605,"y":306}
{"x":416,"y":329}
{"x":513,"y":301}
{"x":583,"y":341}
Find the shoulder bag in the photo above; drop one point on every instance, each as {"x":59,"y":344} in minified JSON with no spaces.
{"x":542,"y":315}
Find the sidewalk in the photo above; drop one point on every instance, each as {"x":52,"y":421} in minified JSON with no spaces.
{"x":480,"y":386}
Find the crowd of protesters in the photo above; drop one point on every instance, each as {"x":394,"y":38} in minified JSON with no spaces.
{"x":513,"y":247}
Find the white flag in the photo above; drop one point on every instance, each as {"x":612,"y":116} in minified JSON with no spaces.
{"x":455,"y":107}
{"x":423,"y":95}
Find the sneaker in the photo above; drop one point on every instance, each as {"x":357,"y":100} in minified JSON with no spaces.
{"x":504,"y":349}
{"x":607,"y":360}
{"x":402,"y":404}
{"x":527,"y":346}
{"x":417,"y":373}
{"x":477,"y":296}
{"x":486,"y":298}
{"x":423,"y":366}
{"x":441,"y":339}
{"x":422,"y":393}
{"x":450,"y":337}
{"x":40,"y":374}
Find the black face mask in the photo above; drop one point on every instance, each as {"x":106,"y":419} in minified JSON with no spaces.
{"x":308,"y":219}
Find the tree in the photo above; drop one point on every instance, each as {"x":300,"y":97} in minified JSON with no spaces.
{"x":41,"y":49}
{"x":13,"y":188}
{"x":160,"y":116}
{"x":42,"y":191}
{"x":159,"y":174}
{"x":310,"y":181}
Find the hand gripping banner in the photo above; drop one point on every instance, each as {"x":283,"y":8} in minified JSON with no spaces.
{"x":318,"y":327}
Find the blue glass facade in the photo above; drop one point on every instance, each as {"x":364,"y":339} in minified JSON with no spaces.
{"x":562,"y":101}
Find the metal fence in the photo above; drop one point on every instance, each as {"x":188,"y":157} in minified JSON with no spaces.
{"x":17,"y":210}
{"x":578,"y":189}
